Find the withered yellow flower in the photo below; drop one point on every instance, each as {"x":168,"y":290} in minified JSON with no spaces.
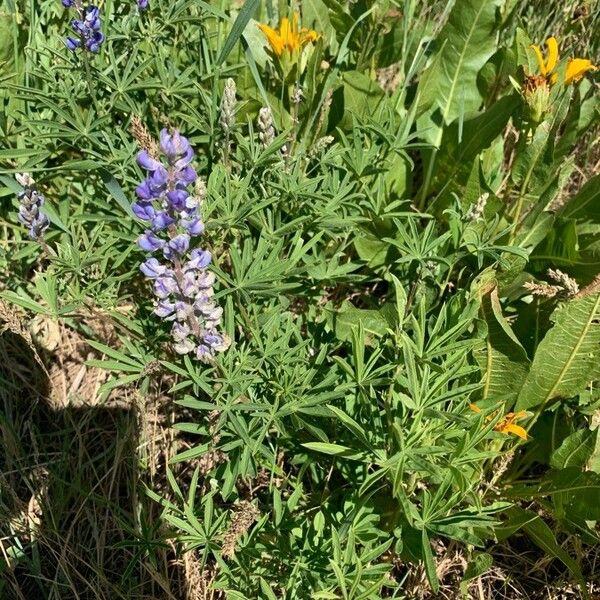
{"x":288,"y":37}
{"x":576,"y":67}
{"x":507,"y":423}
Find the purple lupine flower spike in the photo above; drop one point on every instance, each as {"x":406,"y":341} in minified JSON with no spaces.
{"x":30,"y":203}
{"x":181,"y":282}
{"x":142,"y":4}
{"x":87,"y":26}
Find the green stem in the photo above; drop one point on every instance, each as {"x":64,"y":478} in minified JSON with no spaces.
{"x":295,"y":108}
{"x":426,"y":183}
{"x":90,"y":82}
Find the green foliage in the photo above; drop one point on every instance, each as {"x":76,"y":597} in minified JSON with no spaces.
{"x":382,"y":263}
{"x":565,"y":362}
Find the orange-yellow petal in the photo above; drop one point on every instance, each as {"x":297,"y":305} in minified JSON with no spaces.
{"x":308,"y":35}
{"x":540,"y":60}
{"x":474,"y":408}
{"x":295,"y":18}
{"x":273,"y":37}
{"x":577,"y":68}
{"x":294,"y":41}
{"x":516,"y":429}
{"x":552,"y":59}
{"x":285,"y":32}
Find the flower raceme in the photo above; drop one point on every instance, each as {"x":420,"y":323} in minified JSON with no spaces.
{"x":86,"y":26}
{"x":576,"y":67}
{"x":183,"y":286}
{"x":288,"y":38}
{"x":507,"y":423}
{"x":30,"y":203}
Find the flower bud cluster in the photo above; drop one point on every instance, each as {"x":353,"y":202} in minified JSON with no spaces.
{"x":86,"y":26}
{"x":29,"y":210}
{"x":228,"y":104}
{"x":266,"y":131}
{"x":183,"y":285}
{"x":475,"y":212}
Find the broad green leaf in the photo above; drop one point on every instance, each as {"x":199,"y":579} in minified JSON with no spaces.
{"x":542,"y":536}
{"x":503,"y":361}
{"x":576,"y":491}
{"x":348,"y":318}
{"x":585,"y":204}
{"x":462,"y":143}
{"x":530,"y":168}
{"x":315,"y":15}
{"x":362,"y":96}
{"x":575,"y":450}
{"x":466,"y":42}
{"x":567,"y":359}
{"x":372,"y":250}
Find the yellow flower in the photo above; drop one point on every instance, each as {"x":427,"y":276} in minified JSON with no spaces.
{"x":576,"y":67}
{"x":288,"y":37}
{"x":507,"y":423}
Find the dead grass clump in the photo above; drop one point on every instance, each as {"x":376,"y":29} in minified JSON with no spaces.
{"x":72,"y":521}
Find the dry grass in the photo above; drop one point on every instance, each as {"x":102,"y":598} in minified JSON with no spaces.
{"x":521,"y":571}
{"x":73,"y":523}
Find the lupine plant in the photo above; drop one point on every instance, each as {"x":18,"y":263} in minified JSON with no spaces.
{"x":355,"y":245}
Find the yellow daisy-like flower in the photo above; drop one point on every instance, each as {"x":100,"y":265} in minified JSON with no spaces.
{"x":507,"y":423}
{"x":288,"y":37}
{"x":576,"y":67}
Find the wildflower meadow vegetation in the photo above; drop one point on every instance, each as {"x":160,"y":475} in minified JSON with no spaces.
{"x":299,"y":300}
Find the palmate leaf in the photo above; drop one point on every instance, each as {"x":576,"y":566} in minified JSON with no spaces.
{"x":503,"y":361}
{"x":567,"y":359}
